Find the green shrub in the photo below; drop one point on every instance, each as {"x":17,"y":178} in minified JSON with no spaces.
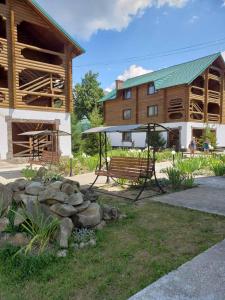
{"x":175,"y":177}
{"x":40,"y":228}
{"x":29,"y":173}
{"x":218,"y":169}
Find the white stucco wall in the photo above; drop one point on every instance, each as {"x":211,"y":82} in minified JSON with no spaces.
{"x":185,"y":134}
{"x":64,"y":119}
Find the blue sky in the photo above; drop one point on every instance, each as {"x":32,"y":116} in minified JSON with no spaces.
{"x":113,"y":32}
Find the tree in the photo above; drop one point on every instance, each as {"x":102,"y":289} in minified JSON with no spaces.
{"x":156,"y":140}
{"x":86,"y":95}
{"x":76,"y":133}
{"x":90,"y":143}
{"x":208,"y":134}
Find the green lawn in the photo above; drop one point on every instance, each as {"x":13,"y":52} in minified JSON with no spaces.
{"x":130,"y":254}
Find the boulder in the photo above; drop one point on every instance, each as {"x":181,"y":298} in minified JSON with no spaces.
{"x":83,"y":206}
{"x":19,"y":217}
{"x":64,"y":210}
{"x":62,"y":253}
{"x":18,"y":185}
{"x":67,"y":188}
{"x":89,"y":217}
{"x":72,"y":182}
{"x":41,"y":172}
{"x":55,"y":185}
{"x":75,"y":199}
{"x":4,"y":222}
{"x":28,"y":198}
{"x":101,"y":225}
{"x":48,"y":213}
{"x":52,"y":194}
{"x":65,"y":230}
{"x":19,"y":239}
{"x":34,"y":188}
{"x":6,"y":196}
{"x":17,"y":197}
{"x":110,"y":213}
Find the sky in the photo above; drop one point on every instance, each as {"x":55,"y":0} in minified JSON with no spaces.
{"x":127,"y":38}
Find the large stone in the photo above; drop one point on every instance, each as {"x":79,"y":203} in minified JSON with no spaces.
{"x":110,"y":213}
{"x":19,"y":239}
{"x":83,"y":206}
{"x":17,"y":197}
{"x":4,"y":222}
{"x":52,"y":194}
{"x":75,"y":199}
{"x":72,"y":182}
{"x":67,"y":188}
{"x":89,"y":217}
{"x":18,"y":185}
{"x":26,"y":199}
{"x":19,"y":217}
{"x":64,"y":210}
{"x":6,"y":196}
{"x":48,"y":213}
{"x":34,"y":188}
{"x":65,"y":230}
{"x":56,"y":185}
{"x":41,"y":172}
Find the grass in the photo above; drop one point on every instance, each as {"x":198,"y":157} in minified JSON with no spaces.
{"x":130,"y":254}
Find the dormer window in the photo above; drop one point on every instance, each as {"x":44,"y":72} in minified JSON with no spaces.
{"x":127,"y":94}
{"x":151,"y":88}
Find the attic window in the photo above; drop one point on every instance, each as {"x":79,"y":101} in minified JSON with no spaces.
{"x":127,"y":94}
{"x":151,"y":88}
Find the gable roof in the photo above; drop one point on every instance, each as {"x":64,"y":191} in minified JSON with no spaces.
{"x":50,"y":20}
{"x":180,"y":74}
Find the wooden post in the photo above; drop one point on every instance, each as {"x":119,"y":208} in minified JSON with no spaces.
{"x":68,"y":81}
{"x":12,"y":56}
{"x":206,"y":88}
{"x":137,"y":105}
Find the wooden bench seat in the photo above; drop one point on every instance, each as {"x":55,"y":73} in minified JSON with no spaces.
{"x":46,"y":158}
{"x":131,"y":168}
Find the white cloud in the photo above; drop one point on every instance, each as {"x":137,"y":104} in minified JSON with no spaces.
{"x":223,"y":3}
{"x":223,"y":54}
{"x":131,"y":72}
{"x":86,"y":17}
{"x":193,"y":19}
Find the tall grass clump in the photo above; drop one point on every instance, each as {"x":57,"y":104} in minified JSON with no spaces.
{"x":175,"y":177}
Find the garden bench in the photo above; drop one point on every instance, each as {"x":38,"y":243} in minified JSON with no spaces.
{"x":131,"y":168}
{"x":47,"y":157}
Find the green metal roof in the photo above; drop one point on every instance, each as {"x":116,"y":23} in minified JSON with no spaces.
{"x":75,"y":43}
{"x":180,"y":74}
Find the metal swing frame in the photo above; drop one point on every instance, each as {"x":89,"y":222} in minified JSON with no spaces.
{"x":103,"y":153}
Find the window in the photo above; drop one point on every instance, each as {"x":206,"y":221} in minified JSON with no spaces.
{"x":126,"y":137}
{"x":127,"y":94}
{"x":151,"y":88}
{"x":152,"y":110}
{"x":127,"y":114}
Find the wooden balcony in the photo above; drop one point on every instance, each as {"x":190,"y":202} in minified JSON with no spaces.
{"x":3,"y":52}
{"x":214,"y":96}
{"x":214,"y":77}
{"x":213,"y":118}
{"x":4,"y":97}
{"x":197,"y":93}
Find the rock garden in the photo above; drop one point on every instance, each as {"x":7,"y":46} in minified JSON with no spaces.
{"x":50,"y":213}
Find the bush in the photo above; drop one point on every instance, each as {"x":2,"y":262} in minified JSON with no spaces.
{"x":175,"y":177}
{"x":29,"y":173}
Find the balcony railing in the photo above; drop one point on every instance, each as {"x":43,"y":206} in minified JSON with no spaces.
{"x":213,"y":118}
{"x":213,"y":96}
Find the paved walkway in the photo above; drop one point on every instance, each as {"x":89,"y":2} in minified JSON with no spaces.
{"x":202,"y":278}
{"x":208,"y":197}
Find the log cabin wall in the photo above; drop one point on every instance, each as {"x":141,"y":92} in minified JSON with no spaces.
{"x":203,"y":101}
{"x":35,"y":60}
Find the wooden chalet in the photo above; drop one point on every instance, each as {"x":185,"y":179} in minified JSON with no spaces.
{"x":185,"y":97}
{"x":35,"y":76}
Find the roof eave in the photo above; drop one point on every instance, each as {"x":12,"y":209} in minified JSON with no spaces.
{"x":78,"y":50}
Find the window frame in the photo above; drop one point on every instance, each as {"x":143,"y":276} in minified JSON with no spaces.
{"x":129,"y":140}
{"x":124,"y":94}
{"x":128,"y":109}
{"x":156,"y":110}
{"x":151,"y":84}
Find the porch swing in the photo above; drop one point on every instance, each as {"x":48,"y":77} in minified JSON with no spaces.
{"x":135,"y":169}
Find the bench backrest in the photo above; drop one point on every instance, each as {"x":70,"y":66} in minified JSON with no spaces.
{"x":131,"y":165}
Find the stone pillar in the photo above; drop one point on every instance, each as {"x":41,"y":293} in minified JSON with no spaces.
{"x":8,"y":120}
